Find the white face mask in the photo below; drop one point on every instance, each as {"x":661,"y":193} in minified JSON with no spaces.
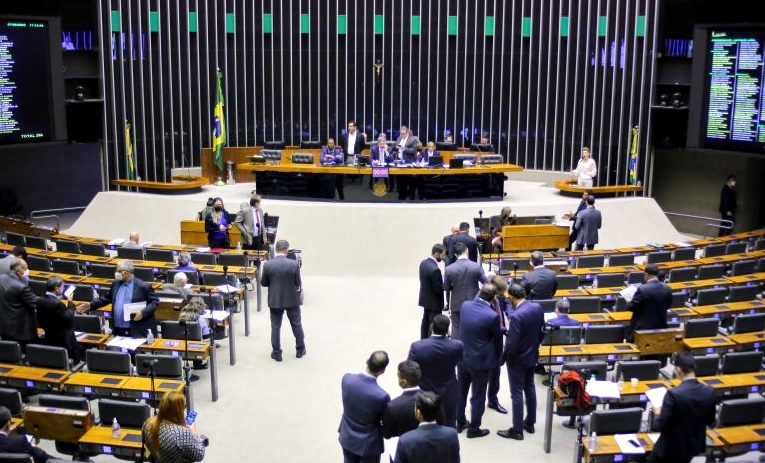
{"x":26,"y":273}
{"x":118,"y":276}
{"x":732,"y":184}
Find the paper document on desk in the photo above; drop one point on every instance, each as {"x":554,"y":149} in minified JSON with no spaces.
{"x":390,"y":447}
{"x":682,"y":244}
{"x":227,"y":289}
{"x":202,"y":249}
{"x":628,"y":443}
{"x":603,"y":389}
{"x":116,"y":242}
{"x":217,"y":315}
{"x":125,"y":342}
{"x":131,"y":308}
{"x":654,"y":436}
{"x":566,"y":224}
{"x":629,"y":292}
{"x":656,"y":396}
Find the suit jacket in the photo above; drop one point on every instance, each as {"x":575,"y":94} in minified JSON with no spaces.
{"x":470,"y":242}
{"x":524,"y":334}
{"x":429,"y":443}
{"x":55,"y":316}
{"x":357,"y":147}
{"x":588,"y":223}
{"x":281,"y":276}
{"x":481,"y":335}
{"x":686,"y":412}
{"x":17,"y":309}
{"x":540,"y":283}
{"x":431,"y":286}
{"x":409,"y":151}
{"x":5,"y":263}
{"x":649,"y":307}
{"x":438,"y":357}
{"x":246,"y":221}
{"x":399,"y":415}
{"x":213,"y":229}
{"x":364,"y":403}
{"x":17,"y":443}
{"x":563,"y":320}
{"x":449,"y":257}
{"x":727,"y":200}
{"x":461,"y":280}
{"x":142,"y":292}
{"x":376,"y":155}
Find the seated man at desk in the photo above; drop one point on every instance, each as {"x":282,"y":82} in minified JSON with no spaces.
{"x":127,"y":290}
{"x":331,"y":154}
{"x":185,"y":265}
{"x":17,"y":443}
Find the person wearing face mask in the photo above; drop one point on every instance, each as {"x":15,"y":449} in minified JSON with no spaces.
{"x":728,"y":204}
{"x":55,"y":313}
{"x":431,"y":288}
{"x":217,"y":226}
{"x":127,"y":289}
{"x":17,"y":305}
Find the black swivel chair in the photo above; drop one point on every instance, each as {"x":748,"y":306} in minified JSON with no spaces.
{"x":145,"y":273}
{"x":72,"y":247}
{"x":707,"y":365}
{"x":130,"y":253}
{"x":102,"y":271}
{"x":759,"y":245}
{"x":610,"y":280}
{"x":38,"y":287}
{"x":701,"y":327}
{"x":620,"y":260}
{"x":658,"y":257}
{"x":192,"y":277}
{"x":87,"y":324}
{"x":677,"y":275}
{"x":232,"y":260}
{"x":643,"y":370}
{"x":584,"y":304}
{"x":159,"y":255}
{"x":736,"y":248}
{"x":709,"y":272}
{"x":204,"y":258}
{"x":590,"y":261}
{"x":93,"y":249}
{"x":15,"y":239}
{"x":108,"y":362}
{"x":761,"y":264}
{"x":83,"y":293}
{"x":548,"y":305}
{"x":748,"y":323}
{"x":174,"y":330}
{"x":739,"y":412}
{"x":711,"y":296}
{"x":714,"y":250}
{"x":743,"y":293}
{"x":743,"y":267}
{"x":57,"y":358}
{"x":217,"y":279}
{"x":10,"y":352}
{"x":11,"y":399}
{"x":167,"y":366}
{"x":599,"y":368}
{"x":566,"y":335}
{"x":128,"y":414}
{"x":604,"y":334}
{"x":567,"y":281}
{"x":40,"y":264}
{"x":635,"y":278}
{"x":508,"y":265}
{"x":69,"y":267}
{"x":678,"y":300}
{"x":619,"y":421}
{"x":36,"y":242}
{"x":684,"y":254}
{"x":741,"y":362}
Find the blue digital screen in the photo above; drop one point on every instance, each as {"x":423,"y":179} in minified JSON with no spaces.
{"x":87,"y":389}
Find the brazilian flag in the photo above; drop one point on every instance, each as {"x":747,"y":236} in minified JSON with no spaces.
{"x":130,"y":169}
{"x":218,"y":126}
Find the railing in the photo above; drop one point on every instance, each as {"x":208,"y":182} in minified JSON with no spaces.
{"x":715,"y":223}
{"x":51,"y":214}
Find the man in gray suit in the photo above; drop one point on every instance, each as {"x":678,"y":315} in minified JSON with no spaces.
{"x":588,"y":223}
{"x":539,"y":283}
{"x":461,"y":282}
{"x":281,"y":276}
{"x":17,"y":305}
{"x":250,"y":222}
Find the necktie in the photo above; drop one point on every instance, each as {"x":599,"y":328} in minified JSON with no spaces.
{"x":257,"y":222}
{"x":499,"y":312}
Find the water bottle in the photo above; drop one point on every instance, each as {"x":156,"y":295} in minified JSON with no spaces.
{"x":620,"y":382}
{"x":239,"y":246}
{"x":115,"y":428}
{"x":595,"y":283}
{"x":593,"y":442}
{"x":149,"y":337}
{"x":593,"y":377}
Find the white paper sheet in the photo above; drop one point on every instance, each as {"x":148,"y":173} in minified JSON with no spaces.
{"x":202,"y":249}
{"x":603,"y":389}
{"x":656,"y":396}
{"x":628,"y":292}
{"x":132,"y":308}
{"x":654,"y":436}
{"x":125,"y":342}
{"x":117,"y":242}
{"x":226,"y":289}
{"x":628,"y":443}
{"x":217,"y":315}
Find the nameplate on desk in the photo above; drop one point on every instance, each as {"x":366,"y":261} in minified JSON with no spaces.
{"x":110,"y":381}
{"x":718,"y":340}
{"x":712,"y":381}
{"x":760,"y":431}
{"x":52,"y":375}
{"x":572,"y":349}
{"x":623,"y":347}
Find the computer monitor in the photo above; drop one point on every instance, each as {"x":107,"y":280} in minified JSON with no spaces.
{"x":482,"y":147}
{"x":435,"y":161}
{"x":456,"y":163}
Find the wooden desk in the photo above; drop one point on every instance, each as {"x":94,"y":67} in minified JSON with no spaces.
{"x":15,"y":424}
{"x":745,"y":341}
{"x":140,"y":387}
{"x":680,"y":312}
{"x":581,"y":352}
{"x":607,"y":450}
{"x":738,"y":439}
{"x":708,"y":345}
{"x":674,"y":264}
{"x":95,"y":384}
{"x":80,"y":239}
{"x":591,"y":318}
{"x":84,"y":259}
{"x":698,"y":284}
{"x":636,"y":394}
{"x":752,"y":278}
{"x":99,"y":440}
{"x":24,"y":377}
{"x":729,"y":308}
{"x":637,"y":250}
{"x":38,"y":275}
{"x":611,"y":291}
{"x":198,"y":350}
{"x":585,"y":271}
{"x":732,"y":384}
{"x":532,"y":237}
{"x":569,"y":186}
{"x":728,"y":258}
{"x":571,"y":293}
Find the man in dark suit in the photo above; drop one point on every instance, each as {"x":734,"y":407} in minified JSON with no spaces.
{"x":431,"y":288}
{"x":450,"y":257}
{"x":728,"y":203}
{"x":399,"y":414}
{"x":571,"y":216}
{"x":649,"y":304}
{"x":521,"y":354}
{"x":281,"y":275}
{"x":470,"y":242}
{"x":438,"y":357}
{"x":539,"y":283}
{"x":127,"y":289}
{"x":684,"y":415}
{"x":461,"y":280}
{"x":482,"y":338}
{"x":562,"y":307}
{"x":55,"y":314}
{"x":588,"y":223}
{"x":17,"y":443}
{"x":364,"y":403}
{"x":17,"y":305}
{"x":429,"y":442}
{"x":500,"y":306}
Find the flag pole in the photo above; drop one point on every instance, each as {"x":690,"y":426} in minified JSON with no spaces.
{"x":218,"y":128}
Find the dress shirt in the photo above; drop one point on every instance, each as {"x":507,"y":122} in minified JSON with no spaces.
{"x":124,"y":296}
{"x":256,"y":224}
{"x":586,"y":170}
{"x":352,"y":142}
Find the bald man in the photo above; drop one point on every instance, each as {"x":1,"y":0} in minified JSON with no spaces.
{"x":450,"y":257}
{"x":133,"y":241}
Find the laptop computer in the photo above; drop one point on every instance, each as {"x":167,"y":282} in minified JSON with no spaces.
{"x":436,"y":161}
{"x":456,"y":163}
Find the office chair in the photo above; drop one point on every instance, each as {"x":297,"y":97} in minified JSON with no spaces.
{"x":174,"y":330}
{"x":93,"y":249}
{"x":761,"y":264}
{"x":743,"y":267}
{"x":741,"y":362}
{"x":635,"y":278}
{"x":83,"y":293}
{"x":619,"y":421}
{"x":714,"y":250}
{"x":508,"y":265}
{"x":590,"y":261}
{"x":193,"y":277}
{"x":643,"y":370}
{"x":144,"y":273}
{"x":759,"y":245}
{"x":564,"y":336}
{"x":159,"y":255}
{"x":15,"y":239}
{"x":707,"y":365}
{"x":586,"y":369}
{"x":684,"y":254}
{"x":36,"y":242}
{"x":567,"y":281}
{"x":108,"y":362}
{"x":11,"y":399}
{"x":40,"y":264}
{"x":678,"y":300}
{"x":548,"y":305}
{"x":87,"y":324}
{"x":620,"y":260}
{"x":54,"y":357}
{"x":38,"y":287}
{"x":736,"y":248}
{"x":658,"y":257}
{"x":748,"y":323}
{"x":69,"y":267}
{"x":677,"y":275}
{"x":232,"y":260}
{"x":610,"y":280}
{"x":217,"y":279}
{"x":709,"y":272}
{"x":738,"y":412}
{"x":711,"y":296}
{"x":130,"y":253}
{"x":10,"y":352}
{"x":128,"y":414}
{"x":203,"y":258}
{"x":743,"y":293}
{"x":602,"y":334}
{"x":71,"y":247}
{"x":102,"y":271}
{"x":167,"y":366}
{"x":584,"y":304}
{"x":701,"y":327}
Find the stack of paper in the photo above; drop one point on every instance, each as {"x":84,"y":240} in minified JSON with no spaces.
{"x":603,"y":389}
{"x":125,"y":343}
{"x":628,"y":443}
{"x":656,"y":396}
{"x":629,"y":292}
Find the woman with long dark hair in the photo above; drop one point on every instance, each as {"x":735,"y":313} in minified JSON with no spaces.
{"x":217,"y":226}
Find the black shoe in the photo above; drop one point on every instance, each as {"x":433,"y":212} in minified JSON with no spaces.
{"x":510,"y":434}
{"x":568,"y":424}
{"x":277,"y":357}
{"x":477,"y":433}
{"x":300,"y":353}
{"x":201,"y":366}
{"x":529,"y":428}
{"x":546,"y":382}
{"x":540,"y":370}
{"x":499,"y":408}
{"x":193,"y":378}
{"x":462,"y":426}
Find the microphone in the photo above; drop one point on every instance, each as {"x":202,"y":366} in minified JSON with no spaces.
{"x":515,"y":271}
{"x":149,"y":363}
{"x":480,"y":214}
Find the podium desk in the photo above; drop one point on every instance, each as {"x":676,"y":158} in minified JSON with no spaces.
{"x":582,"y":352}
{"x":139,"y":387}
{"x":98,"y":439}
{"x":95,"y":384}
{"x":757,"y":277}
{"x":747,"y":341}
{"x":586,"y":271}
{"x":24,"y":377}
{"x":607,"y":450}
{"x":591,"y":318}
{"x":729,"y":308}
{"x":708,"y":345}
{"x":699,"y":284}
{"x":84,"y":259}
